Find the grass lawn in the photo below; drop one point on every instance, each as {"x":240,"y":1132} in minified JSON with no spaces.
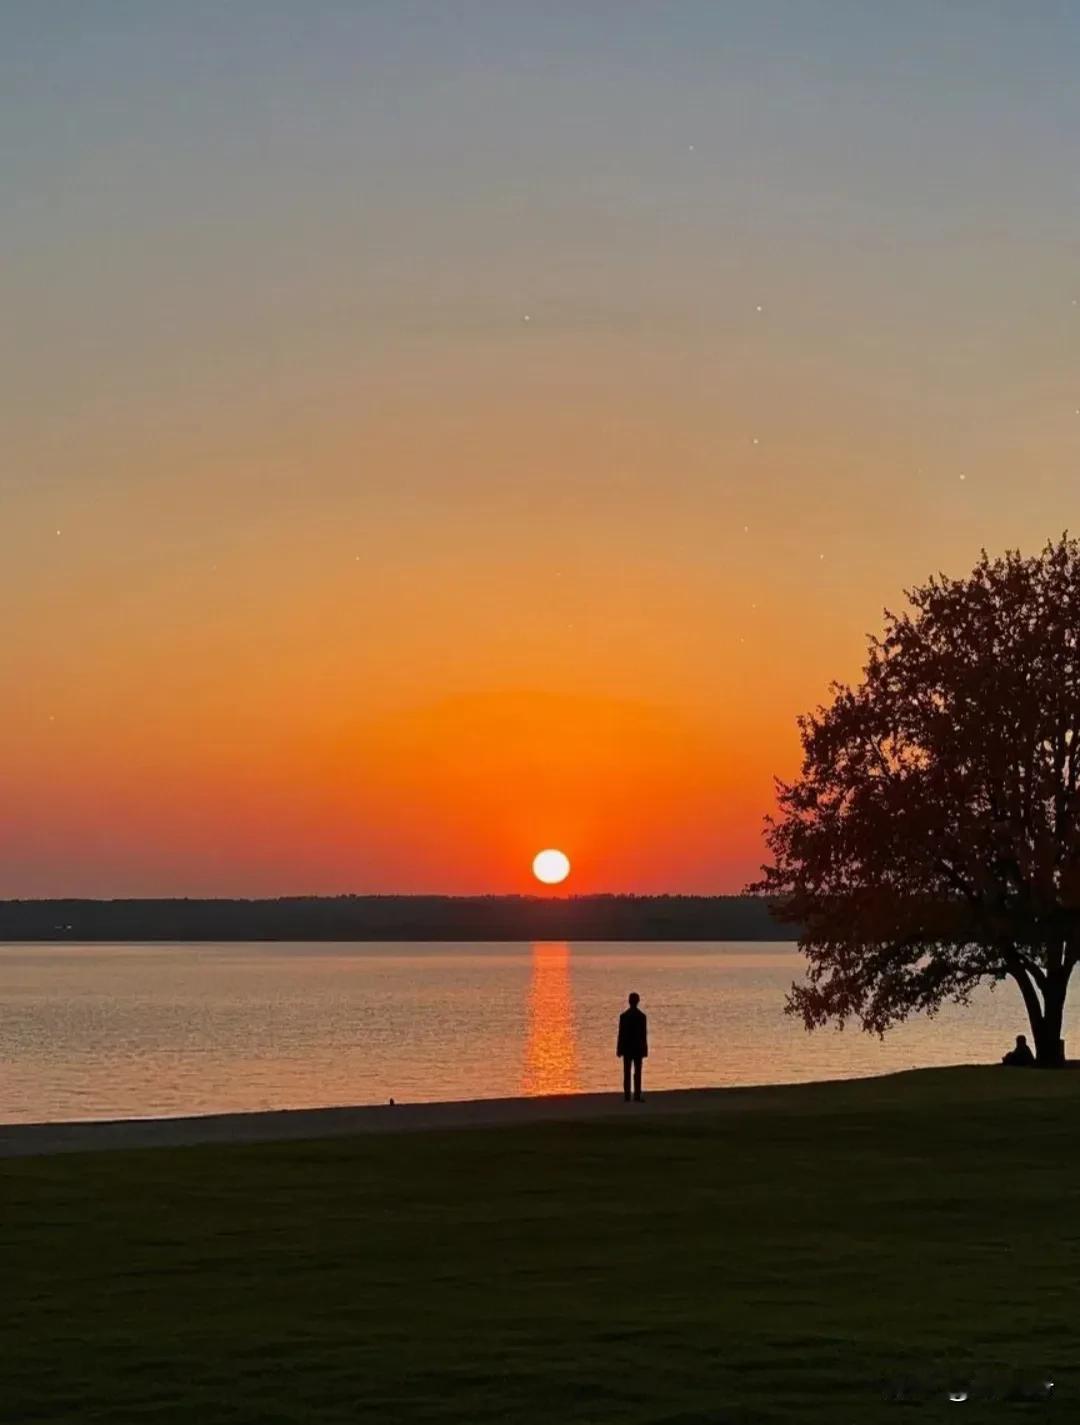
{"x":782,"y":1262}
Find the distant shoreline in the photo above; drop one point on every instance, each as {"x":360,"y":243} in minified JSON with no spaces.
{"x":393,"y":918}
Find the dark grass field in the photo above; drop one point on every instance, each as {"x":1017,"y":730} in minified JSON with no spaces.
{"x":802,"y":1258}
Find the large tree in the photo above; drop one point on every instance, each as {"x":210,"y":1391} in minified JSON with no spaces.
{"x":932,"y":839}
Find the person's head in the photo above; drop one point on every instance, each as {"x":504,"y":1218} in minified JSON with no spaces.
{"x":635,"y":1000}
{"x":1021,"y":1041}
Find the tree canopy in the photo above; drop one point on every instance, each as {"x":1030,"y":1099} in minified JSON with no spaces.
{"x":932,"y":838}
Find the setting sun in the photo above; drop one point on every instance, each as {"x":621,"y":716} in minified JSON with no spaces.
{"x":551,"y":867}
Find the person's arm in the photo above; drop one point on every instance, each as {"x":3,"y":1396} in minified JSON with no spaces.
{"x":644,"y":1037}
{"x":619,"y":1040}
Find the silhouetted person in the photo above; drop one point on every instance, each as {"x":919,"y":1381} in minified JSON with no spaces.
{"x":632,"y":1046}
{"x":1021,"y":1057}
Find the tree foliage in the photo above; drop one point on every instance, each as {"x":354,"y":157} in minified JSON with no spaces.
{"x":932,"y":839}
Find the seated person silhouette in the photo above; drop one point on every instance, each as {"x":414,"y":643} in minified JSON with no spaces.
{"x":1021,"y":1057}
{"x":632,"y":1046}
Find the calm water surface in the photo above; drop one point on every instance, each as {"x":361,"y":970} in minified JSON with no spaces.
{"x":104,"y":1031}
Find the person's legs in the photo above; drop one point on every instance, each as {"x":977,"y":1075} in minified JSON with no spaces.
{"x":637,"y":1079}
{"x":626,"y":1077}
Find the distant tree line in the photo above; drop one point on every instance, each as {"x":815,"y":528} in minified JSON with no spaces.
{"x":608,"y":917}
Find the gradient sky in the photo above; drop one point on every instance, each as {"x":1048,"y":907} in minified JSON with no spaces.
{"x":436,"y":431}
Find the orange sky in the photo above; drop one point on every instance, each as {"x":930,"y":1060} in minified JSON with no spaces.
{"x":429,"y":442}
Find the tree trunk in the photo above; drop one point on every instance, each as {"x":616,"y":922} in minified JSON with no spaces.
{"x":1045,"y":1013}
{"x":1032,"y":1003}
{"x":1049,"y":1050}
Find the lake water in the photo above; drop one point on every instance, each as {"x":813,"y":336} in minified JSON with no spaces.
{"x":117,"y":1031}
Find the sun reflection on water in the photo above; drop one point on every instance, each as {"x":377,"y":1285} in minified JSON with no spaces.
{"x":551,"y":1064}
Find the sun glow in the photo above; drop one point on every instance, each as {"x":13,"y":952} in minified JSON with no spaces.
{"x":551,"y":867}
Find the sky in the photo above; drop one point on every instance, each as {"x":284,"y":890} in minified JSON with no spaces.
{"x":432,"y":432}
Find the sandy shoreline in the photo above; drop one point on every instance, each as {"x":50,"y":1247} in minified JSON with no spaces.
{"x":21,"y":1140}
